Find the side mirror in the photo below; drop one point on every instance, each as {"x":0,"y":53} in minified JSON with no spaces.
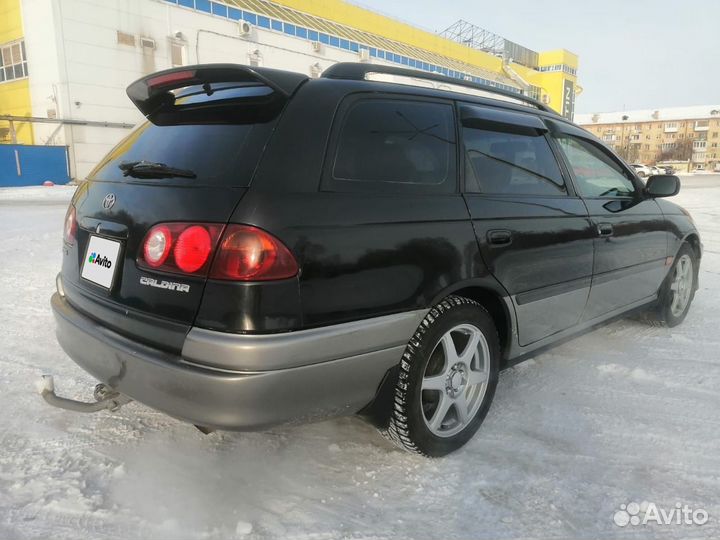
{"x":662,"y":185}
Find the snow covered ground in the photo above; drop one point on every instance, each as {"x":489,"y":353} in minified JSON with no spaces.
{"x":36,"y":195}
{"x":626,"y":413}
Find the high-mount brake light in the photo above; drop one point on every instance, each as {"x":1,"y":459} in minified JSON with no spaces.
{"x":171,"y":78}
{"x":247,"y":253}
{"x":70,"y":228}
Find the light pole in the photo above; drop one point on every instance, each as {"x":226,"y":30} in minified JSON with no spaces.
{"x":625,"y":144}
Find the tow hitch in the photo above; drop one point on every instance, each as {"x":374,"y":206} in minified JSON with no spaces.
{"x":105,"y":398}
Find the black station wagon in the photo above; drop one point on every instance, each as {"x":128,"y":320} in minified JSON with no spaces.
{"x":268,"y":248}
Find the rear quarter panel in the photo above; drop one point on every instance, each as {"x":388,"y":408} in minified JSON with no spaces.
{"x":361,"y":255}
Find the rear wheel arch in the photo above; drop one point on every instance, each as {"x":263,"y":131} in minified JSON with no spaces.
{"x":495,"y":305}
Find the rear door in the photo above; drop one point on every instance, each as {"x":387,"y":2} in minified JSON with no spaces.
{"x":533,"y":230}
{"x":631,"y":243}
{"x":191,"y":162}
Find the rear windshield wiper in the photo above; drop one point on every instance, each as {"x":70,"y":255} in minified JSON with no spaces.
{"x":148,"y":169}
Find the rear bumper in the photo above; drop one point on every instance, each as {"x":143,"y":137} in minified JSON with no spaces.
{"x":330,"y":372}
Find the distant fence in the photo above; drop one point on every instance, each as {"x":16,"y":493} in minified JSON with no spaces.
{"x":27,"y":165}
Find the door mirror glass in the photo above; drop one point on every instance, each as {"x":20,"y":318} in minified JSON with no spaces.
{"x":662,"y":185}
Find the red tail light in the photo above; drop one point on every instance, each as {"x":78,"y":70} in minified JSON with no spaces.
{"x":70,"y":229}
{"x":244,"y":253}
{"x":250,"y":254}
{"x":184,"y":248}
{"x":193,"y":248}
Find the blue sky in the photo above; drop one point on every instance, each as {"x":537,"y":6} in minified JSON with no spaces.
{"x":634,"y":54}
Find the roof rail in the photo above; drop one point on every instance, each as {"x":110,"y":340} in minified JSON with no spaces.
{"x":358,"y":71}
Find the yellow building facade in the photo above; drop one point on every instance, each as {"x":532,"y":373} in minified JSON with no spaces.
{"x":352,"y":30}
{"x":14,"y":91}
{"x":554,"y":76}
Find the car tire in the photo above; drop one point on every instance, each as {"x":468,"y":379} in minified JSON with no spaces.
{"x":678,"y":289}
{"x":447,"y":379}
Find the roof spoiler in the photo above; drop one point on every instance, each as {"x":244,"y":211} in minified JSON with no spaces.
{"x":153,"y":91}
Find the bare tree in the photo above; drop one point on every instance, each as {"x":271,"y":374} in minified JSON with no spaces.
{"x":680,"y":151}
{"x":630,"y":152}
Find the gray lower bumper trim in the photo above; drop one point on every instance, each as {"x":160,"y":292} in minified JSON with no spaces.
{"x":217,"y":398}
{"x":239,"y":352}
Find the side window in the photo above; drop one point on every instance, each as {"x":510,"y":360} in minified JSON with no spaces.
{"x":394,"y":145}
{"x":498,"y":162}
{"x":596,"y":172}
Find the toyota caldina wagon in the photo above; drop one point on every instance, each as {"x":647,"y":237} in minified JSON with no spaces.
{"x":268,"y":248}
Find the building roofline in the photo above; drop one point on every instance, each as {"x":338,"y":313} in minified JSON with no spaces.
{"x":697,"y":112}
{"x":388,"y":27}
{"x":307,"y":13}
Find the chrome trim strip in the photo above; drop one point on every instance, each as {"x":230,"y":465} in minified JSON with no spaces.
{"x":612,"y":275}
{"x":267,"y":352}
{"x":543,"y":293}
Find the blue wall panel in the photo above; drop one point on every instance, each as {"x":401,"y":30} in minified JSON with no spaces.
{"x":23,"y":165}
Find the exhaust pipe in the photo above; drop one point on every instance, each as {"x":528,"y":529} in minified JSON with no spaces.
{"x":105,"y":398}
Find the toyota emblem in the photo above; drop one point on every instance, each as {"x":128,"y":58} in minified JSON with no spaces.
{"x":108,"y":201}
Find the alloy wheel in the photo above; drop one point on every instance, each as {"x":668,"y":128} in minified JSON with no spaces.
{"x":455,"y":380}
{"x":681,"y":285}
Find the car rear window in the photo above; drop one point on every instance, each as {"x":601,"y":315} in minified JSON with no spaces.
{"x":219,"y":151}
{"x":217,"y":154}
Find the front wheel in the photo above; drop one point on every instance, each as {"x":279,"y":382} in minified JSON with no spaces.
{"x":447,"y":380}
{"x":679,"y":287}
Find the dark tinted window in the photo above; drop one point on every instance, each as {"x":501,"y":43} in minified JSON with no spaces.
{"x":597,"y":174}
{"x":498,"y":162}
{"x":390,"y":144}
{"x":218,"y":153}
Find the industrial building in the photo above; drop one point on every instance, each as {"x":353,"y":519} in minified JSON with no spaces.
{"x":685,"y":135}
{"x":66,"y":63}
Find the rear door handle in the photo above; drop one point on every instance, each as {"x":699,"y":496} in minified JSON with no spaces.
{"x":499,"y":237}
{"x":605,"y":229}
